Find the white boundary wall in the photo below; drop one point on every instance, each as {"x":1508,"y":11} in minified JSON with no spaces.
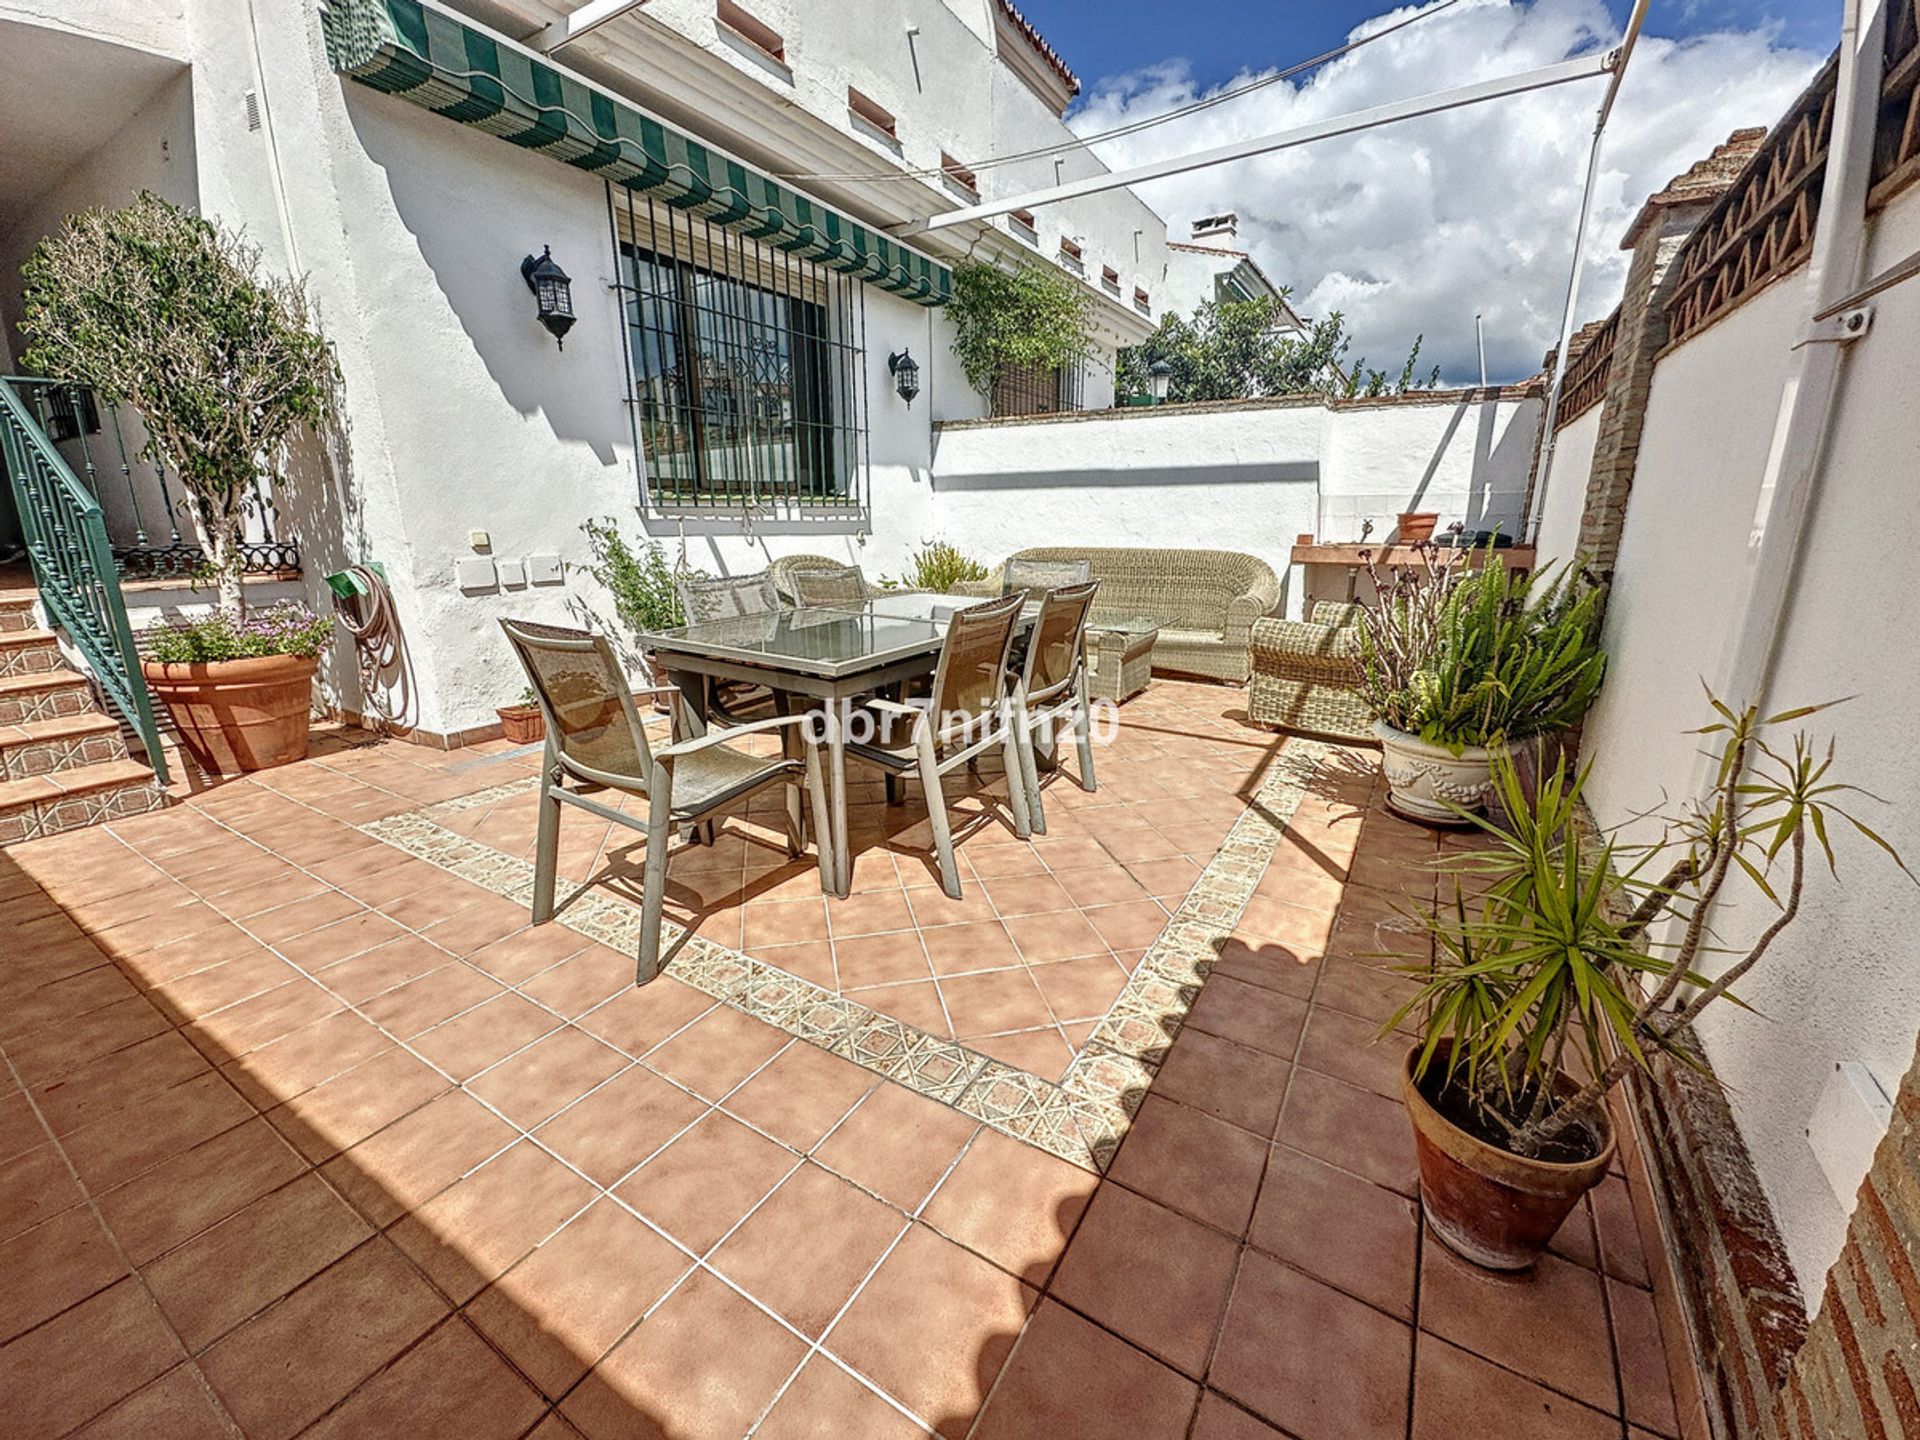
{"x":1842,"y":984}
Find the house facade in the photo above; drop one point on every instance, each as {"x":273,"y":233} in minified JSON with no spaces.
{"x":717,"y":180}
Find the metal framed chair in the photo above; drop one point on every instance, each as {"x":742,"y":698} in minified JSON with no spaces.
{"x":595,"y":741}
{"x":967,"y":714}
{"x":829,"y":585}
{"x":731,"y":597}
{"x":1034,"y":578}
{"x":1052,"y":686}
{"x":728,"y":598}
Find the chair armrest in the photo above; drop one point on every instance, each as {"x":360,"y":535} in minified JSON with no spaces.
{"x":1302,"y":639}
{"x":895,"y":707}
{"x":667,"y":753}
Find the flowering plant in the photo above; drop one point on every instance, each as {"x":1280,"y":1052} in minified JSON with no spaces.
{"x":288,"y":628}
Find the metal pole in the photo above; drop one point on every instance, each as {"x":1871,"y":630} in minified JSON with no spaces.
{"x":1580,"y":68}
{"x":1550,"y":420}
{"x":1480,"y":343}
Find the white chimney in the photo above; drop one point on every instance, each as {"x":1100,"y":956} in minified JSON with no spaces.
{"x":1217,"y":227}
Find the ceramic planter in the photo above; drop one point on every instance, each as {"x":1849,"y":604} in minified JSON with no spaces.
{"x":1496,"y":1209}
{"x":521,"y":724}
{"x":1413,"y":526}
{"x":237,"y":715}
{"x":1422,"y":778}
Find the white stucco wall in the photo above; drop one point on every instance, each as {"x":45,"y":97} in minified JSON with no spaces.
{"x":1566,"y":487}
{"x":1840,"y":985}
{"x":1248,"y":477}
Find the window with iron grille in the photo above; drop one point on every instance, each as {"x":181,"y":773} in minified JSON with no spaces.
{"x":744,"y":366}
{"x":1030,"y":390}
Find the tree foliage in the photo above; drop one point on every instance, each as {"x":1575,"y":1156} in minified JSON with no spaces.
{"x":156,"y":308}
{"x":1029,"y":318}
{"x":1243,"y":349}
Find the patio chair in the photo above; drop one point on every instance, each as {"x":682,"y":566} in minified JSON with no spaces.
{"x":731,"y":597}
{"x":782,"y":572}
{"x":1034,"y":578}
{"x":1053,"y":686}
{"x":1306,"y":674}
{"x":829,"y":585}
{"x":967,"y":714}
{"x":595,"y":741}
{"x":727,"y":598}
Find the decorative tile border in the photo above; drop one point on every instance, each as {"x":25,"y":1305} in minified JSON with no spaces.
{"x":1082,"y":1118}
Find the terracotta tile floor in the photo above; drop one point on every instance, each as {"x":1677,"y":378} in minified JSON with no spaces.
{"x":302,"y":1134}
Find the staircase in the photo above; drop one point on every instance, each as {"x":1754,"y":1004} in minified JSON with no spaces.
{"x":63,"y":762}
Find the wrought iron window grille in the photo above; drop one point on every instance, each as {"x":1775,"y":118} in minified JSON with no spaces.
{"x":745,"y":368}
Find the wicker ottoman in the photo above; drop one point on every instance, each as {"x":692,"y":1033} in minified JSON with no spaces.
{"x":1120,"y":657}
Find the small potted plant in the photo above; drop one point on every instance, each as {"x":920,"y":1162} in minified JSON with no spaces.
{"x":1456,"y":662}
{"x":521,"y":723}
{"x":1554,"y":965}
{"x":239,"y":691}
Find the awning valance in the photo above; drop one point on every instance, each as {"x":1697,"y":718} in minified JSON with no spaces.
{"x":458,"y":70}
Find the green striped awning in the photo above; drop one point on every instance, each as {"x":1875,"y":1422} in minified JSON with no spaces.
{"x":422,"y":53}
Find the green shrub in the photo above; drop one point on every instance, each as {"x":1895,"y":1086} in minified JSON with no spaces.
{"x":939,"y":566}
{"x":641,"y":581}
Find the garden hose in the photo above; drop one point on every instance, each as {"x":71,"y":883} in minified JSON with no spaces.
{"x":366,"y":613}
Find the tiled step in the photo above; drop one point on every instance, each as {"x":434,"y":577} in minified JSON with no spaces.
{"x":16,"y":611}
{"x":41,"y":747}
{"x":29,"y":652}
{"x":43,"y":805}
{"x":54,"y":695}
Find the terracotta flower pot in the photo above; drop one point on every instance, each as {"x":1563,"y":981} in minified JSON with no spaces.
{"x":1414,"y":526}
{"x":521,"y":724}
{"x":1422,"y":779}
{"x":236,"y":715}
{"x":1496,"y":1209}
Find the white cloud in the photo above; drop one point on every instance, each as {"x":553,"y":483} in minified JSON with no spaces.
{"x":1414,"y":228}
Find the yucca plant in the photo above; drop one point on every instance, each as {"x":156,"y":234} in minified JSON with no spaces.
{"x":1553,"y":959}
{"x":1481,"y":658}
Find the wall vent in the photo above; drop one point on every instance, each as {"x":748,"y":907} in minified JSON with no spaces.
{"x":253,"y":109}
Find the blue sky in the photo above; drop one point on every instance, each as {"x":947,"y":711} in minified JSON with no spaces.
{"x":1218,"y":38}
{"x":1412,"y":230}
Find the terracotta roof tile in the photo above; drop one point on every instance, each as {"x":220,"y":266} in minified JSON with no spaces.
{"x":1702,"y":182}
{"x":1039,"y":42}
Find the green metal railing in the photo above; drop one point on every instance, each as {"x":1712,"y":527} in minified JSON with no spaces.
{"x":65,"y":533}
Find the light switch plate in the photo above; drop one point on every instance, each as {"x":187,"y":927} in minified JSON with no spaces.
{"x":543,"y":569}
{"x":475,"y":572}
{"x":1848,"y":1119}
{"x":513,"y":573}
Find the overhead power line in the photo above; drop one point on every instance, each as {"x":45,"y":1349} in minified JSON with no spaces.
{"x":1134,"y":127}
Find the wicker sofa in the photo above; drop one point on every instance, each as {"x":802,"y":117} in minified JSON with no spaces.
{"x":1209,"y":600}
{"x":782,"y":569}
{"x":1306,"y":674}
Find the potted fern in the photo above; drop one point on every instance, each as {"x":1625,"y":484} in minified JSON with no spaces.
{"x":1456,"y":663}
{"x":1548,"y":994}
{"x":155,"y":308}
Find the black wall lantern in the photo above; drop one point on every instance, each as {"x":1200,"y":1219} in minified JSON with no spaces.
{"x":552,"y":291}
{"x":906,"y":376}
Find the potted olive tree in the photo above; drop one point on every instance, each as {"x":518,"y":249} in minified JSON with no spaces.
{"x":1547,"y":995}
{"x":1456,"y":662}
{"x":158,"y":309}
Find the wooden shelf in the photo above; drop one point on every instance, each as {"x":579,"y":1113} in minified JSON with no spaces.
{"x":1514,"y":557}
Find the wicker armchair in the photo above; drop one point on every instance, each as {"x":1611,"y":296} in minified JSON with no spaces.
{"x":1208,"y":600}
{"x":783,"y":569}
{"x":1306,"y":674}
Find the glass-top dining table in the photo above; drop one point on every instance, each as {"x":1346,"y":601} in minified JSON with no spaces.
{"x":824,"y":654}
